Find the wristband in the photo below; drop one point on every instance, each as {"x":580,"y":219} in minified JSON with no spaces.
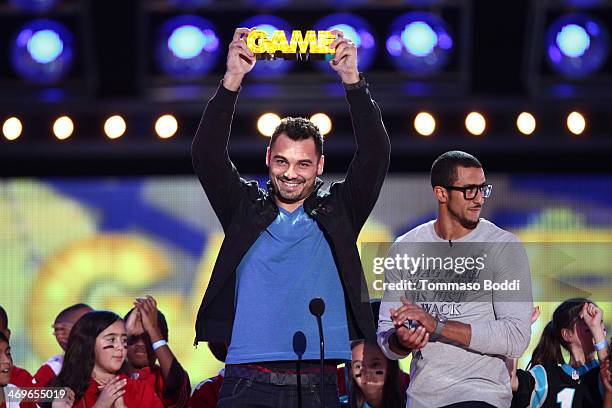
{"x":601,"y":345}
{"x":159,"y":343}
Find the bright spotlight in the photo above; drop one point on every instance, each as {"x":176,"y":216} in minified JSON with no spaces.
{"x":267,"y":123}
{"x":475,"y":123}
{"x":42,"y":52}
{"x":115,"y":127}
{"x":526,"y":123}
{"x":576,"y":45}
{"x":576,"y":123}
{"x":63,"y":127}
{"x":420,"y":43}
{"x":187,"y":47}
{"x":166,"y":126}
{"x":424,"y":123}
{"x":12,"y":128}
{"x":323,"y":122}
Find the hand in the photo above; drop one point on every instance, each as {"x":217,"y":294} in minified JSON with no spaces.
{"x":66,"y":402}
{"x":240,"y":59}
{"x":133,"y":324}
{"x":410,"y":311}
{"x":110,"y":392}
{"x":511,"y":364}
{"x":345,"y":58}
{"x":592,"y":316}
{"x":119,"y":403}
{"x":535,"y":314}
{"x":148,"y":311}
{"x":413,"y":338}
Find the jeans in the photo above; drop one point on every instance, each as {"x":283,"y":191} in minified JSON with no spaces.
{"x":245,"y":392}
{"x":469,"y":404}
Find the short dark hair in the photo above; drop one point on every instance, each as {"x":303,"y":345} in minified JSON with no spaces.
{"x":3,"y":318}
{"x":444,"y":168}
{"x":161,"y":319}
{"x":67,"y":312}
{"x":4,"y":338}
{"x":299,"y":129}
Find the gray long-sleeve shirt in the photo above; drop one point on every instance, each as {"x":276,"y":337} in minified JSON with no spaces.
{"x":444,"y":372}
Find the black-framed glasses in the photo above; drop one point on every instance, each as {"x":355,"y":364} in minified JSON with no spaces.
{"x":470,"y":192}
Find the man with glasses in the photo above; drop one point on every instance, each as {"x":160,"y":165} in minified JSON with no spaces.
{"x":459,"y":337}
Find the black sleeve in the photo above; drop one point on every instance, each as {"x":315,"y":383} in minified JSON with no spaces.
{"x":368,"y":168}
{"x":522,"y":397}
{"x":218,"y":175}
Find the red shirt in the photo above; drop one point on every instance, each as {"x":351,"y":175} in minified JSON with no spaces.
{"x":19,"y":378}
{"x":154,"y":377}
{"x":138,"y":394}
{"x":206,"y":393}
{"x":48,"y":371}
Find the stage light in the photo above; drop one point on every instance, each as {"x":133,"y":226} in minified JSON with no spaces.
{"x":42,"y":52}
{"x":475,"y":123}
{"x":576,"y":123}
{"x":356,"y":29}
{"x":166,"y":126}
{"x":269,"y":24}
{"x":526,"y":123}
{"x":189,"y":4}
{"x":344,"y":4}
{"x":12,"y":128}
{"x":576,"y":45}
{"x":424,"y":124}
{"x":268,"y":4}
{"x":267,"y":123}
{"x":63,"y":127}
{"x":323,"y":122}
{"x":33,"y":6}
{"x":115,"y":127}
{"x":583,"y":3}
{"x":420,"y":43}
{"x":187,"y":47}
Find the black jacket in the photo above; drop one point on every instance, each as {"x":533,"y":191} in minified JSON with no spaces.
{"x":245,"y":210}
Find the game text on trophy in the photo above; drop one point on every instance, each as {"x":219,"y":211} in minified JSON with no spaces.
{"x":312,"y":44}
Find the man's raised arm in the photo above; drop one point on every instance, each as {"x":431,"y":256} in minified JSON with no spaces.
{"x":370,"y":163}
{"x":218,"y":175}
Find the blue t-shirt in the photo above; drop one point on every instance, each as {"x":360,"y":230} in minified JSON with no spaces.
{"x":289,"y":264}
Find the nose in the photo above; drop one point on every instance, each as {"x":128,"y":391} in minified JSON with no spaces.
{"x":479,"y":199}
{"x":290,"y":173}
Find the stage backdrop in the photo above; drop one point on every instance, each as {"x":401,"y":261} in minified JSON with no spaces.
{"x":105,"y":241}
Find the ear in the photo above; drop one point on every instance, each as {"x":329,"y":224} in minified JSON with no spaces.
{"x":441,"y":194}
{"x":567,"y":335}
{"x":320,"y":165}
{"x":268,"y":156}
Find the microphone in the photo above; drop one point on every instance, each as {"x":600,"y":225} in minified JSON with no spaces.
{"x":317,"y":308}
{"x":299,"y":347}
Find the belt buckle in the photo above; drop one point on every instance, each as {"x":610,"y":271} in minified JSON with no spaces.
{"x":278,"y":378}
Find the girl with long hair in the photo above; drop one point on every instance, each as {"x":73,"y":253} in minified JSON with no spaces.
{"x":95,"y":353}
{"x":374,"y":380}
{"x":576,"y":327}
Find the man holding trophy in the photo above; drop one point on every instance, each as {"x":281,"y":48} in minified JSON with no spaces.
{"x":288,"y":245}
